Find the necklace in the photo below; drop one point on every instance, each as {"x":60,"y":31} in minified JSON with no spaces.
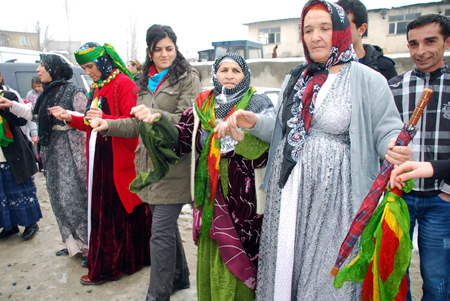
{"x":106,"y":81}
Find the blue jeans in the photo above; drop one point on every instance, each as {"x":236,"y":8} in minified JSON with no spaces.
{"x":433,"y":217}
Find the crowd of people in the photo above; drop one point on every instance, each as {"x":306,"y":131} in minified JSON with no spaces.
{"x":274,"y":190}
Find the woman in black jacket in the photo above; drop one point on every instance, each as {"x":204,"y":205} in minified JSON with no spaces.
{"x":18,"y":201}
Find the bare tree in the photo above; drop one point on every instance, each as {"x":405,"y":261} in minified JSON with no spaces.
{"x":133,"y":44}
{"x":47,"y":40}
{"x":67,"y":10}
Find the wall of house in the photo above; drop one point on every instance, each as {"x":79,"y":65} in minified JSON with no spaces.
{"x":378,"y":31}
{"x":290,"y":44}
{"x":271,"y":72}
{"x":16,"y":40}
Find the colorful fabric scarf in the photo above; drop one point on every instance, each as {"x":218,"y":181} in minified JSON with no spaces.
{"x":207,"y":176}
{"x":385,"y":251}
{"x":6,"y":136}
{"x":299,"y":107}
{"x":92,"y":51}
{"x":155,"y":79}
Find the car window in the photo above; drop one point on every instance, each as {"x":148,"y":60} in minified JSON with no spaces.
{"x":273,"y":95}
{"x":23,"y":80}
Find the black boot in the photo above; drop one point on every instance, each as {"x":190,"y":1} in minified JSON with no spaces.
{"x":5,"y":233}
{"x":30,"y":231}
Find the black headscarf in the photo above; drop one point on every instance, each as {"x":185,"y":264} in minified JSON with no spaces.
{"x":58,"y":92}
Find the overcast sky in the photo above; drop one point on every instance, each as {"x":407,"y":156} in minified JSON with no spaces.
{"x":197,"y":23}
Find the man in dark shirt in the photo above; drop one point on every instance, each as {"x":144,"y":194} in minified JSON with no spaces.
{"x":370,"y":55}
{"x":428,"y":203}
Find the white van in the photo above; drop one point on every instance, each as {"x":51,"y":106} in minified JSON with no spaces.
{"x":8,"y":54}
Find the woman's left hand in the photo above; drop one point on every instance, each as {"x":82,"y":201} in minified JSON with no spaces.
{"x":398,"y":154}
{"x":94,"y":113}
{"x":144,"y":114}
{"x":223,"y":128}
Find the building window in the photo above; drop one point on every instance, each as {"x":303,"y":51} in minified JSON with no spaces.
{"x":269,"y":35}
{"x":24,"y":41}
{"x":447,"y":12}
{"x":398,"y":23}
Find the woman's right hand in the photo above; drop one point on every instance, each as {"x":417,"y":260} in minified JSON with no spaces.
{"x":60,"y":114}
{"x":242,"y":118}
{"x":98,"y":124}
{"x":143,"y":113}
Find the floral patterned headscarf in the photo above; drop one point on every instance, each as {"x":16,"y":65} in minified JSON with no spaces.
{"x":299,"y":109}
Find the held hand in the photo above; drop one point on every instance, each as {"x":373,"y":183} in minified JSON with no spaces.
{"x":98,"y":124}
{"x":223,"y":128}
{"x":94,"y":113}
{"x":5,"y":103}
{"x":398,"y":154}
{"x":410,"y":170}
{"x":34,"y":140}
{"x":243,"y":119}
{"x":60,"y":114}
{"x":143,"y":113}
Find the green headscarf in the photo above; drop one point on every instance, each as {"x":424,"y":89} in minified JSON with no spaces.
{"x":91,"y":51}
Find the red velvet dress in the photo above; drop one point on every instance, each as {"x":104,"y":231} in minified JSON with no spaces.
{"x":120,"y":222}
{"x":119,"y":242}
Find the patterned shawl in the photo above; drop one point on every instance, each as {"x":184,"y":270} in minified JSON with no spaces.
{"x":300,"y":103}
{"x":58,"y":92}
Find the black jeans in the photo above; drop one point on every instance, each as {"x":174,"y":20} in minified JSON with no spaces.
{"x":168,"y":261}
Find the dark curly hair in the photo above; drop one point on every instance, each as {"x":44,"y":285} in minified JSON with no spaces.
{"x":180,"y":65}
{"x":423,"y":20}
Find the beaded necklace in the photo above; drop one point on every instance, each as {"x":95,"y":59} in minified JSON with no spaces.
{"x":101,"y":83}
{"x":95,"y":87}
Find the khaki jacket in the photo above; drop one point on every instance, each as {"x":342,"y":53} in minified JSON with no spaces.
{"x":171,"y":101}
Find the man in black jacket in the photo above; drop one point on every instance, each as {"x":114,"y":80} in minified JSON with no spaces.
{"x":370,"y":55}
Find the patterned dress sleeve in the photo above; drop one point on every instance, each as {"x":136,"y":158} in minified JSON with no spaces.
{"x":185,"y":128}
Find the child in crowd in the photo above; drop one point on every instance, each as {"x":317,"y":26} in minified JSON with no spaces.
{"x":36,"y":90}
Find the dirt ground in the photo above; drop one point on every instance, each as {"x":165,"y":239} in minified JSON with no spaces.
{"x":29,"y":270}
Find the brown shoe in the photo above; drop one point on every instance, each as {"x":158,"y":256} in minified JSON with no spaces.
{"x":86,"y":281}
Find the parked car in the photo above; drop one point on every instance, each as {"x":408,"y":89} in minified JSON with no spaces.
{"x":18,"y":76}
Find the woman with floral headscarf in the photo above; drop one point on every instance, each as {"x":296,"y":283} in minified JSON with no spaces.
{"x":226,"y":222}
{"x":63,"y":153}
{"x":336,"y":119}
{"x":119,"y":222}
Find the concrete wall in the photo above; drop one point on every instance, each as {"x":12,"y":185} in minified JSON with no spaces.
{"x":271,"y":72}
